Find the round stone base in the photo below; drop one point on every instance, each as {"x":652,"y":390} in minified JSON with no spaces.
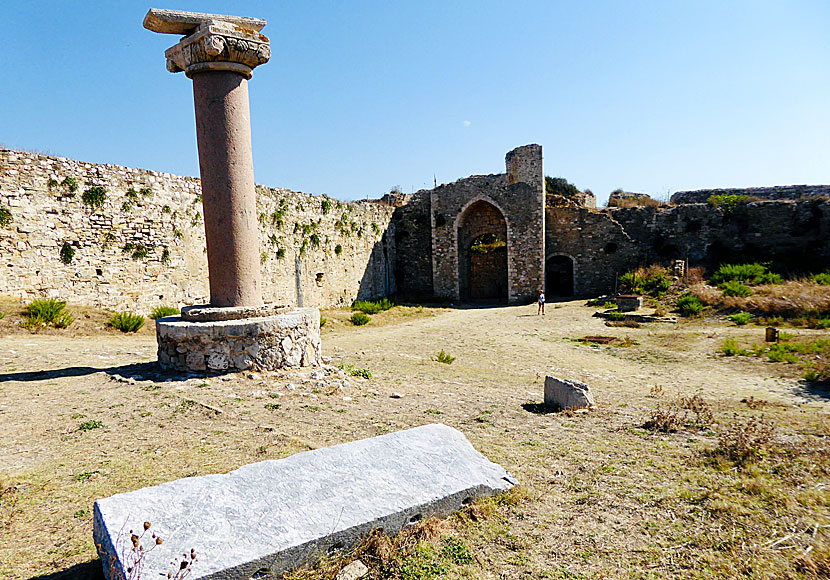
{"x":291,"y":339}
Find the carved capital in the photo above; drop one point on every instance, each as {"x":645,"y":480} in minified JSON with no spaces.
{"x":219,"y":45}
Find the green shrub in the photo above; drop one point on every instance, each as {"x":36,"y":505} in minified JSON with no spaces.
{"x":163,"y":311}
{"x":126,"y":322}
{"x":689,"y":305}
{"x":90,"y":425}
{"x":338,"y":249}
{"x":456,"y":551}
{"x":730,"y":347}
{"x":823,"y":278}
{"x":2,"y":315}
{"x":754,"y":273}
{"x":70,"y":184}
{"x":653,"y":280}
{"x":359,"y":318}
{"x":52,"y":183}
{"x":67,"y":253}
{"x":45,"y":312}
{"x":325,"y":205}
{"x":443,"y":357}
{"x":281,"y":253}
{"x":95,"y":197}
{"x":5,"y":217}
{"x":616,"y":316}
{"x":735,"y":288}
{"x":355,"y":372}
{"x":741,"y":318}
{"x":728,"y":202}
{"x":323,"y":321}
{"x":373,"y":306}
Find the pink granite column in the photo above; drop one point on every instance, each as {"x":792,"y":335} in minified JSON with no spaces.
{"x":223,"y":132}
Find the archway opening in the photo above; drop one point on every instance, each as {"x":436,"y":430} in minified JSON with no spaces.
{"x":559,"y":276}
{"x":482,"y":245}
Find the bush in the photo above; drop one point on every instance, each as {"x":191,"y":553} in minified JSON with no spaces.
{"x":5,"y":217}
{"x":730,"y":347}
{"x":338,"y":249}
{"x":162,"y":311}
{"x":126,"y":322}
{"x":46,"y":312}
{"x":741,"y":318}
{"x":744,"y":441}
{"x":823,"y":278}
{"x":653,"y":280}
{"x":443,"y":357}
{"x":689,"y":305}
{"x":728,"y":202}
{"x":67,"y":253}
{"x":359,"y":318}
{"x":373,"y":306}
{"x":355,"y":372}
{"x":70,"y":184}
{"x":735,"y":288}
{"x":95,"y":197}
{"x":754,"y":273}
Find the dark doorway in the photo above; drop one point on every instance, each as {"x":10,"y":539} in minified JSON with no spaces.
{"x":559,"y":276}
{"x":482,"y":254}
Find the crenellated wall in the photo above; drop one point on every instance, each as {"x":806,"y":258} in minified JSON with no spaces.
{"x":144,"y":245}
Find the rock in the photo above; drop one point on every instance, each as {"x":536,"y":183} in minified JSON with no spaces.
{"x":353,"y":571}
{"x":564,"y":394}
{"x":265,"y":518}
{"x":396,"y":396}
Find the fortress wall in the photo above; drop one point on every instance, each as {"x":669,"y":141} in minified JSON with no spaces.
{"x":144,"y":246}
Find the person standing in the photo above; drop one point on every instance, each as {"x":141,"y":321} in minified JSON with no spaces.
{"x":541,"y":309}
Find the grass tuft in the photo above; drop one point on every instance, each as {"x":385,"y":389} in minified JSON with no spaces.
{"x":163,"y":311}
{"x":126,"y":322}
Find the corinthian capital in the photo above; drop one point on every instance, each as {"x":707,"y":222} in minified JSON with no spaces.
{"x":213,"y":42}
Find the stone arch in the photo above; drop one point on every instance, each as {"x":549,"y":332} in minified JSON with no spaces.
{"x":559,"y":275}
{"x":483,"y":252}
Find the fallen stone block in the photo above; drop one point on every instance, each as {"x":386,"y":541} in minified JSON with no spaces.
{"x":266,"y":518}
{"x":564,"y":394}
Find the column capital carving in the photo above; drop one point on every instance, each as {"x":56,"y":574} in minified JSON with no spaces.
{"x":218,"y":45}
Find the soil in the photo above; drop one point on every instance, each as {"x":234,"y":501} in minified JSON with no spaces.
{"x":85,"y":413}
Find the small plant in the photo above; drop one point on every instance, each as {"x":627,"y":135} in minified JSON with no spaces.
{"x":376,"y":228}
{"x":272,"y":406}
{"x":338,"y":249}
{"x":359,"y":318}
{"x":373,"y":306}
{"x":163,"y":311}
{"x":456,"y":551}
{"x":823,"y":278}
{"x":325,"y":205}
{"x":134,"y":553}
{"x":323,"y":321}
{"x":355,"y":372}
{"x":70,"y":184}
{"x":700,"y":408}
{"x":741,"y":318}
{"x":616,"y":316}
{"x":443,"y":357}
{"x":730,"y":347}
{"x":52,"y":183}
{"x":90,"y":425}
{"x":263,"y":257}
{"x":744,"y":441}
{"x":666,"y":418}
{"x":735,"y":288}
{"x":126,"y":322}
{"x":754,"y":273}
{"x":5,"y":217}
{"x":281,"y":253}
{"x":145,"y":191}
{"x":45,"y":312}
{"x":689,"y":305}
{"x":95,"y":197}
{"x":166,"y":209}
{"x":67,"y":253}
{"x":131,"y":195}
{"x":2,"y":315}
{"x":728,"y":202}
{"x":126,"y":207}
{"x":140,"y":252}
{"x":165,"y":256}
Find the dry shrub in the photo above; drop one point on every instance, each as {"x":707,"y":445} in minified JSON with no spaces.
{"x":754,"y":403}
{"x":701,"y":409}
{"x":694,"y":275}
{"x":815,"y":562}
{"x":666,"y":418}
{"x":669,"y":417}
{"x":793,"y":298}
{"x":745,"y":441}
{"x":623,"y":323}
{"x":639,"y":201}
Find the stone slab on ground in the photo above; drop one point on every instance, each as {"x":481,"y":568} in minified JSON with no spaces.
{"x":565,"y":394}
{"x":266,"y":518}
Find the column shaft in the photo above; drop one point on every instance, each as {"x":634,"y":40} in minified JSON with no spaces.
{"x":223,"y":132}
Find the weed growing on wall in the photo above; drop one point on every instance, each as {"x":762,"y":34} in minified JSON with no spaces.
{"x":338,"y":249}
{"x":728,"y":203}
{"x":70,"y":184}
{"x":263,"y":257}
{"x":52,"y":183}
{"x":126,"y":322}
{"x":280,"y":253}
{"x":5,"y":216}
{"x":67,"y":253}
{"x":165,"y":256}
{"x":325,"y":205}
{"x":95,"y":197}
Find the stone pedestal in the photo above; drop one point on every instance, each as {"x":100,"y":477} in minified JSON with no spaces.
{"x":290,"y":339}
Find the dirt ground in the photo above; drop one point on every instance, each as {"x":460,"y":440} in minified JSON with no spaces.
{"x":86,"y":414}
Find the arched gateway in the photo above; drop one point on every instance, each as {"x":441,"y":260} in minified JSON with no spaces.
{"x":482,"y":253}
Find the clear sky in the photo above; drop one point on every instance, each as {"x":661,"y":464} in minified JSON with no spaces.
{"x":362,"y":96}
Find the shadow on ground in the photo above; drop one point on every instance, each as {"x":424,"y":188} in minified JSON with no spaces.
{"x":87,"y":571}
{"x":813,"y":391}
{"x":539,"y":408}
{"x":147,"y":371}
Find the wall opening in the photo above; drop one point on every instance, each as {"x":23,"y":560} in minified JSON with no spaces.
{"x":482,"y":254}
{"x":559,"y":276}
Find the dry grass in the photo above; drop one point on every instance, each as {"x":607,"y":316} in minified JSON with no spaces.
{"x":600,"y":496}
{"x":792,"y":299}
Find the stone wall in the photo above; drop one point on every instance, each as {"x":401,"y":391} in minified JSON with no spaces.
{"x":778,"y":192}
{"x":144,"y":245}
{"x":518,"y":196}
{"x":412,"y":239}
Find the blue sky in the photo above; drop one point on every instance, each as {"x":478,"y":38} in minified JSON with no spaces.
{"x":361,"y":96}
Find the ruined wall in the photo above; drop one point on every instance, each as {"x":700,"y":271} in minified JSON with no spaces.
{"x":791,"y":192}
{"x":795,"y":235}
{"x":412,"y":239}
{"x":144,"y":245}
{"x":519,"y":196}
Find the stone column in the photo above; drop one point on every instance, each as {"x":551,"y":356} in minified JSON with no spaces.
{"x":219,"y":54}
